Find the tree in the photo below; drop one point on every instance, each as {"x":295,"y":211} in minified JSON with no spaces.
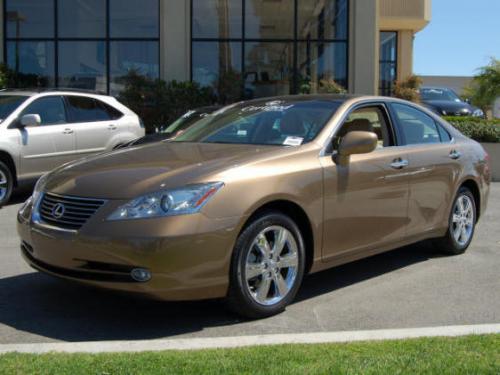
{"x":408,"y":89}
{"x":485,"y":87}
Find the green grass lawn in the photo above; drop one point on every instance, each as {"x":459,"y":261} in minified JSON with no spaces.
{"x":465,"y":355}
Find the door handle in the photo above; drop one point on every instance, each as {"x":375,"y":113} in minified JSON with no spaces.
{"x":112,"y":127}
{"x":68,"y":131}
{"x":399,"y":163}
{"x":455,"y":155}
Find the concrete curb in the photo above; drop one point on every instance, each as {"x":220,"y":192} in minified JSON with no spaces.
{"x":244,"y":341}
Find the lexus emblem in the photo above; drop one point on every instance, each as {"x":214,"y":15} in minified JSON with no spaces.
{"x":58,"y":210}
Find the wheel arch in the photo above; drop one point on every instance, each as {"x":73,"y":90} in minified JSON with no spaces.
{"x":298,"y":215}
{"x":473,"y":186}
{"x":9,"y":161}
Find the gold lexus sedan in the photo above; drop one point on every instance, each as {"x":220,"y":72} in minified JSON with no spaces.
{"x":255,"y":196}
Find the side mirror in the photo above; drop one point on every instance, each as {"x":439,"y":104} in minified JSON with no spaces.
{"x":467,"y":100}
{"x":356,"y":142}
{"x":30,"y":120}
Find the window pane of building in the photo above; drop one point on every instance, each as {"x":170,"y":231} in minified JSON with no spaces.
{"x":325,"y":19}
{"x":82,"y":18}
{"x":388,"y":61}
{"x":321,"y":61}
{"x":387,"y":78}
{"x":134,"y":18}
{"x":30,"y":18}
{"x":83,"y":65}
{"x":33,"y":61}
{"x":218,"y":65}
{"x":269,"y":19}
{"x":268,"y":69}
{"x":220,"y":19}
{"x":138,"y":56}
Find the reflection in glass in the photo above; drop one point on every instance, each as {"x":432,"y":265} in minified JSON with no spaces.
{"x":217,"y":18}
{"x":268,"y":69}
{"x":326,"y":19}
{"x":30,"y":19}
{"x":82,"y":65}
{"x":134,"y":18}
{"x":218,"y":65}
{"x":388,"y":61}
{"x":269,"y":19}
{"x":82,"y":18}
{"x":33,"y":61}
{"x":319,"y":61}
{"x":138,"y":57}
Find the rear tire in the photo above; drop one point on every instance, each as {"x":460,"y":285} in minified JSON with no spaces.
{"x":267,"y":266}
{"x":6,"y":183}
{"x":462,"y":224}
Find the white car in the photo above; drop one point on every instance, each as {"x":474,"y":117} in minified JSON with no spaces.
{"x":40,"y":131}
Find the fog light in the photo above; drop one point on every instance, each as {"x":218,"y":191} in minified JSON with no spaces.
{"x":141,"y":275}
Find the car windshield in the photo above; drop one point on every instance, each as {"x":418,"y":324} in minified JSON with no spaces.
{"x":278,"y":122}
{"x":439,"y":94}
{"x":9,"y":103}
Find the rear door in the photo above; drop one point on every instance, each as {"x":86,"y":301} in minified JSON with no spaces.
{"x":94,"y":123}
{"x":50,"y":144}
{"x":434,"y":166}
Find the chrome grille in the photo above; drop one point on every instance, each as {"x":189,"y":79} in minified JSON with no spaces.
{"x":67,"y":212}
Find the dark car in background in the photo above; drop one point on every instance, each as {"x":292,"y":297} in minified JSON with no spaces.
{"x":176,"y":128}
{"x":446,"y":102}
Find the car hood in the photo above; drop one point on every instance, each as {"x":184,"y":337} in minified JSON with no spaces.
{"x":450,"y":106}
{"x":130,"y":172}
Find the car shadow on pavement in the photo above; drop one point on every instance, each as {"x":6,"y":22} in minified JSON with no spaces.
{"x":60,"y":310}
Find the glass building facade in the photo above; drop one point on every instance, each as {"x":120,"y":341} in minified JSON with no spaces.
{"x":256,"y":48}
{"x":388,"y":61}
{"x":84,"y":44}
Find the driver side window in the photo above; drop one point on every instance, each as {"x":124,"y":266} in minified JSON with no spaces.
{"x":50,"y":109}
{"x":369,"y":119}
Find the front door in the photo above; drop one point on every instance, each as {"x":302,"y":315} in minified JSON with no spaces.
{"x":365,"y":201}
{"x":50,"y":144}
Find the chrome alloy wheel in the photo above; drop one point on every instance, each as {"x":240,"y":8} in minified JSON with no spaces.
{"x":4,"y":185}
{"x":463,"y":220}
{"x":271,"y":265}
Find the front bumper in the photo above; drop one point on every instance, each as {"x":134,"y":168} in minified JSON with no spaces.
{"x":188,"y":256}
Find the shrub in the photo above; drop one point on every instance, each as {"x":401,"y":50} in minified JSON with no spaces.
{"x":478,"y":129}
{"x":11,"y":79}
{"x":325,"y":86}
{"x":159,"y":103}
{"x":407,"y":88}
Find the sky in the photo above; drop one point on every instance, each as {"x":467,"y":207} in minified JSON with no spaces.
{"x":461,"y":37}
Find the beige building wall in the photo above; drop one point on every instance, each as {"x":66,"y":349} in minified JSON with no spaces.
{"x":364,"y":43}
{"x":175,"y":24}
{"x":407,"y":17}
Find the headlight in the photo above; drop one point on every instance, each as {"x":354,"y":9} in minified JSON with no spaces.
{"x":40,"y":185}
{"x":478,"y":113}
{"x":183,"y":201}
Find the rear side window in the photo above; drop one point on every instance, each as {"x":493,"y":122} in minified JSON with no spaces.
{"x":83,"y":109}
{"x":50,"y":109}
{"x":445,"y":136}
{"x":416,"y":126}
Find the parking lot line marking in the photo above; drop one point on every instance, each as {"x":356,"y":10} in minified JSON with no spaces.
{"x":245,"y":341}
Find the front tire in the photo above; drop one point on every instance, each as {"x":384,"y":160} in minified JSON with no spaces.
{"x":267,"y":266}
{"x":462,"y":224}
{"x":6,"y":183}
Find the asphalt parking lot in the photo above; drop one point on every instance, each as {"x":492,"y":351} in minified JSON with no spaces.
{"x":406,"y":288}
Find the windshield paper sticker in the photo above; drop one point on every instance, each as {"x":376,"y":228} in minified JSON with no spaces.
{"x":293,"y":141}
